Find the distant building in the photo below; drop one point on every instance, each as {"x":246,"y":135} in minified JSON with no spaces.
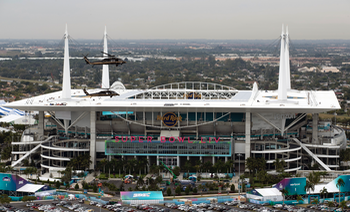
{"x":332,"y":69}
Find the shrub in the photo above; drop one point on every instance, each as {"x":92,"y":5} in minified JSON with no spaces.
{"x":168,"y":191}
{"x":178,"y":190}
{"x":187,"y":190}
{"x":233,"y":188}
{"x":195,"y":190}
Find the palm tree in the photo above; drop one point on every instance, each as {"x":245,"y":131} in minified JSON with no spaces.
{"x":342,"y":205}
{"x":198,"y":166}
{"x":299,"y":198}
{"x":218,"y":166}
{"x":330,"y":204}
{"x":340,"y":183}
{"x":314,"y":201}
{"x":207,"y":166}
{"x":284,"y":192}
{"x":323,"y":193}
{"x":309,"y":186}
{"x":103,"y":163}
{"x":114,"y":163}
{"x":228,"y":166}
{"x":187,"y":167}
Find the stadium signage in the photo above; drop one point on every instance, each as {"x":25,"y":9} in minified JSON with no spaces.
{"x":284,"y":116}
{"x":6,"y":179}
{"x":164,"y":139}
{"x":169,"y":119}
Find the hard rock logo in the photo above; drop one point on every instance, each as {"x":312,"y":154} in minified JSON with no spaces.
{"x":169,"y":119}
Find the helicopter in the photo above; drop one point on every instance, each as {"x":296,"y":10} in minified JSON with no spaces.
{"x":101,"y":93}
{"x":110,"y":60}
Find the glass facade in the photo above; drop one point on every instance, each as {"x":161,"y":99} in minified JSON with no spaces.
{"x":221,"y":148}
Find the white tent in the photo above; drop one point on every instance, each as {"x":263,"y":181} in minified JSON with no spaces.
{"x":266,"y":194}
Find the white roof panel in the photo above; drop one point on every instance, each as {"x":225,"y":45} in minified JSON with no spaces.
{"x":10,"y":118}
{"x":32,"y":188}
{"x":269,"y":192}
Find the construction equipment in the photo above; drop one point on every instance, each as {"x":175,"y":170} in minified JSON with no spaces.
{"x":174,"y":176}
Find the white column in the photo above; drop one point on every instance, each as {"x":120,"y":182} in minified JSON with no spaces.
{"x":66,"y":84}
{"x":41,"y":123}
{"x":225,"y":159}
{"x":93,"y":139}
{"x":314,"y":128}
{"x":188,"y":157}
{"x":105,"y":68}
{"x":157,"y":160}
{"x":178,"y":161}
{"x":247,"y":135}
{"x":213,"y":160}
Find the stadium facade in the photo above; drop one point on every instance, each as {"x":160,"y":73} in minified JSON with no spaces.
{"x":184,"y":121}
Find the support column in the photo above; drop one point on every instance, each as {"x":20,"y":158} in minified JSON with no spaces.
{"x":157,"y":160}
{"x":93,"y":139}
{"x":213,"y":160}
{"x":188,"y":157}
{"x":247,"y":135}
{"x":315,"y":128}
{"x":149,"y":162}
{"x":178,"y":161}
{"x":225,"y":159}
{"x":41,"y":123}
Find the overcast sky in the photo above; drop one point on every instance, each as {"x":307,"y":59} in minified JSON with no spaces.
{"x":175,"y":19}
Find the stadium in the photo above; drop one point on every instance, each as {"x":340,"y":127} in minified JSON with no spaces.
{"x":183,"y":121}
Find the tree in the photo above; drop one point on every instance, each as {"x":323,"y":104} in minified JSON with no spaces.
{"x":342,"y":205}
{"x":340,"y":183}
{"x":195,"y":190}
{"x":140,"y":181}
{"x":76,"y":187}
{"x":94,"y":188}
{"x":309,"y":186}
{"x":207,"y":166}
{"x":201,"y":187}
{"x":314,"y":201}
{"x":187,"y":167}
{"x":103,"y":163}
{"x":187,"y":190}
{"x":57,"y":184}
{"x":330,"y":204}
{"x":233,"y":188}
{"x":4,"y":198}
{"x":323,"y":192}
{"x":284,"y":192}
{"x":178,"y":190}
{"x":300,"y":199}
{"x":279,"y":165}
{"x":28,"y":198}
{"x":176,"y":170}
{"x":168,"y":191}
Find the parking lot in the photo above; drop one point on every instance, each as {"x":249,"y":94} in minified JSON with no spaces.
{"x":82,"y":206}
